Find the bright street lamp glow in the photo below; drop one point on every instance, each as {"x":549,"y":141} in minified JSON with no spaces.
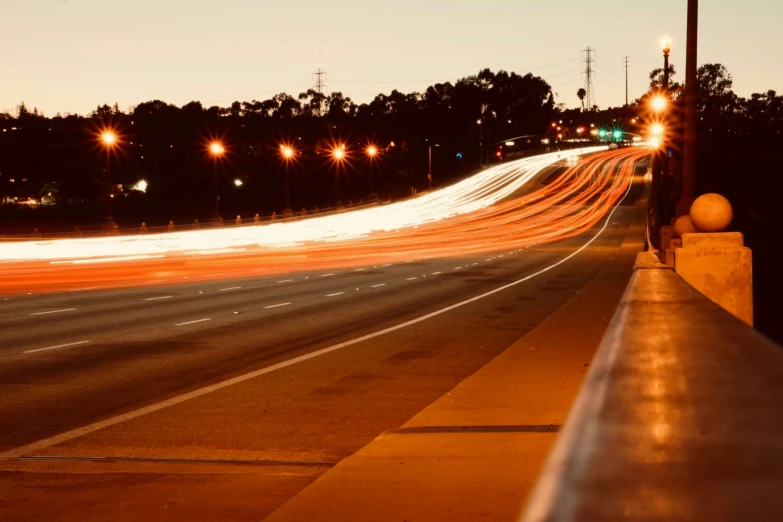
{"x":658,"y":103}
{"x":655,"y":142}
{"x":238,"y":182}
{"x":372,"y":151}
{"x":288,"y":152}
{"x":666,"y":44}
{"x":108,"y":138}
{"x":141,"y":186}
{"x":216,"y":148}
{"x":657,"y":129}
{"x":338,"y":152}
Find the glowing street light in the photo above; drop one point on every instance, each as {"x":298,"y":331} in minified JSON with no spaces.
{"x":657,"y":129}
{"x":217,"y":151}
{"x":338,"y":153}
{"x":288,"y":153}
{"x":238,"y":183}
{"x":108,"y":138}
{"x":658,"y":103}
{"x":666,"y":44}
{"x":372,"y":151}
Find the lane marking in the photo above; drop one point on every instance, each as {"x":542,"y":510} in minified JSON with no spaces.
{"x":227,"y":289}
{"x":411,"y":278}
{"x":337,"y":293}
{"x":388,"y":264}
{"x":474,"y":264}
{"x":376,"y":286}
{"x":276,"y":306}
{"x":458,"y":268}
{"x":159,"y":298}
{"x":55,"y":311}
{"x":157,"y":281}
{"x":360,"y":270}
{"x":194,"y":322}
{"x":326,"y":275}
{"x":285,"y":281}
{"x":56,"y":347}
{"x":436,"y":273}
{"x":36,"y":447}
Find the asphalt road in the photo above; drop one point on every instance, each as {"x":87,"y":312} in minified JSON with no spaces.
{"x":222,"y":399}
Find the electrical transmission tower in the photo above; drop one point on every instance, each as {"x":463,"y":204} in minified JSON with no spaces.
{"x":588,"y":58}
{"x":319,"y":86}
{"x":626,"y":64}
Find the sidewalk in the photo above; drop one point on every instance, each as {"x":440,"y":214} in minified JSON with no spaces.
{"x":475,"y":453}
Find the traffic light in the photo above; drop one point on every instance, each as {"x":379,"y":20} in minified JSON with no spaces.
{"x":602,"y":134}
{"x":617,"y":134}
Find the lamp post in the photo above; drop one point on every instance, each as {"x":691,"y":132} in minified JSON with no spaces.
{"x":217,"y":151}
{"x":688,"y":189}
{"x":288,"y":154}
{"x":372,"y":152}
{"x":429,"y":165}
{"x":338,"y":154}
{"x":109,"y":140}
{"x":481,"y":143}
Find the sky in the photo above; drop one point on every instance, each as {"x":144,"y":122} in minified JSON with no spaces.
{"x":70,"y":56}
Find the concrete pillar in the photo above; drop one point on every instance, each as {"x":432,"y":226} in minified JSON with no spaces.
{"x":238,"y":220}
{"x":273,"y":216}
{"x":720,"y":267}
{"x":36,"y":232}
{"x":172,"y":227}
{"x":256,"y":218}
{"x":143,"y":228}
{"x":196,"y":224}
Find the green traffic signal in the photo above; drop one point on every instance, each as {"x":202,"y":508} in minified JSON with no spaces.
{"x":602,"y":134}
{"x":617,"y":134}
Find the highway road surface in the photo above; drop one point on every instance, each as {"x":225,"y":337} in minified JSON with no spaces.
{"x":221,"y":388}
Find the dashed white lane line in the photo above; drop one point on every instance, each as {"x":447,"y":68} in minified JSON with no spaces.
{"x":411,"y":278}
{"x":55,"y":311}
{"x":458,"y":268}
{"x":376,"y":286}
{"x":387,"y":264}
{"x":159,"y":298}
{"x":326,"y":275}
{"x":157,"y":281}
{"x":227,"y":289}
{"x":276,"y":306}
{"x":34,"y":448}
{"x":436,"y":273}
{"x":285,"y":281}
{"x":194,"y":322}
{"x":474,"y":264}
{"x":334,"y":294}
{"x":56,"y":347}
{"x":360,"y":270}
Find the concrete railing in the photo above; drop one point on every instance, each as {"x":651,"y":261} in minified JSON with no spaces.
{"x":678,"y":419}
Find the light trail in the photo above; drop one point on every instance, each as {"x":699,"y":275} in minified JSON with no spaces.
{"x":478,"y":215}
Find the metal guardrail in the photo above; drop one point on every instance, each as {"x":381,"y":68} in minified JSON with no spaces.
{"x":680,"y":417}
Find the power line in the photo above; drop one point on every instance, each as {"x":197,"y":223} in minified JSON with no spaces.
{"x":625,"y":61}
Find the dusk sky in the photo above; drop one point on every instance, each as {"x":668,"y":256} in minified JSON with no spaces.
{"x":72,"y":55}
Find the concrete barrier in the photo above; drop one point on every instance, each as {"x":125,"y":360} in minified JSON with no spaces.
{"x":678,"y":418}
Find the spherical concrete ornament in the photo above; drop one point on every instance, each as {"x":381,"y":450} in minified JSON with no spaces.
{"x":683,"y":225}
{"x":711,"y":213}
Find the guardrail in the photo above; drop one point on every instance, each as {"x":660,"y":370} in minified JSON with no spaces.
{"x":679,"y":417}
{"x":196,"y":225}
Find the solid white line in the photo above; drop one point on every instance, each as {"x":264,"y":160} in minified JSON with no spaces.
{"x":227,"y":289}
{"x":158,"y":298}
{"x":332,"y":295}
{"x":194,"y":322}
{"x":376,"y":286}
{"x":275,"y":306}
{"x":56,"y":347}
{"x":285,"y":281}
{"x":326,"y":275}
{"x":35,"y":447}
{"x":411,"y":278}
{"x":55,"y":311}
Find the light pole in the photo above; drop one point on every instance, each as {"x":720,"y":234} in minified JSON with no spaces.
{"x":339,"y":156}
{"x":217,"y":151}
{"x":481,"y":143}
{"x":688,"y":189}
{"x":109,"y":140}
{"x":429,"y":167}
{"x":372,"y":152}
{"x":288,"y":154}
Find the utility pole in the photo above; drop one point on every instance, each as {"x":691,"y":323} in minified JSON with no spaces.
{"x":625,"y":62}
{"x":688,"y":189}
{"x":588,"y":73}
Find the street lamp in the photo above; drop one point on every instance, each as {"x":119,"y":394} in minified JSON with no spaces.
{"x":288,"y":154}
{"x":109,"y":140}
{"x":217,"y":151}
{"x":658,"y":103}
{"x":238,"y":183}
{"x":429,"y":165}
{"x":338,"y":154}
{"x":372,"y":152}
